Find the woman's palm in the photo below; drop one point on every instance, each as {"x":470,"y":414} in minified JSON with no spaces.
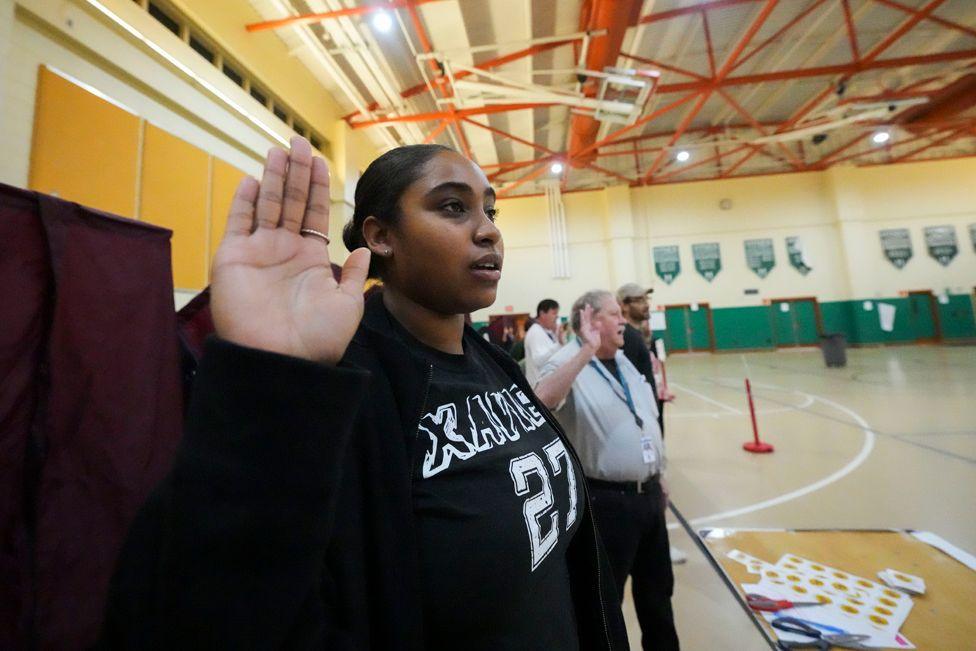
{"x":273,"y":287}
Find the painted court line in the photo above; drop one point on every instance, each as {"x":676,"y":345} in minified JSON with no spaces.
{"x":702,"y":396}
{"x":849,"y":467}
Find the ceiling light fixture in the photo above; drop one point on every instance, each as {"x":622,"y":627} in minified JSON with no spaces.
{"x":683,"y":156}
{"x":881,"y":137}
{"x":557,"y":168}
{"x":382,"y":21}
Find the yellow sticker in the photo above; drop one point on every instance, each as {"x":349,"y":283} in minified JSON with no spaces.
{"x":841,"y":587}
{"x":824,"y":599}
{"x":850,"y":609}
{"x":883,"y":611}
{"x":878,"y":620}
{"x":816,"y":582}
{"x":887,"y":602}
{"x":800,"y":589}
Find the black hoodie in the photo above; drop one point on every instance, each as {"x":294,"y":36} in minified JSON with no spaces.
{"x":287,"y":520}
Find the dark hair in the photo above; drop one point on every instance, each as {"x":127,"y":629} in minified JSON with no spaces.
{"x":379,"y":190}
{"x":545,"y":305}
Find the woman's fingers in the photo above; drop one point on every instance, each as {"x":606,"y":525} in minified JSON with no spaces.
{"x":240,"y":219}
{"x":317,"y":210}
{"x":272,"y":188}
{"x":296,"y":184}
{"x":354,"y":272}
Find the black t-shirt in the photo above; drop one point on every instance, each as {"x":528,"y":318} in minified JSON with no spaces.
{"x":497,"y":499}
{"x":639,"y":355}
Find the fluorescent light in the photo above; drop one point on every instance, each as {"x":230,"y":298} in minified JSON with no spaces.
{"x":382,"y":21}
{"x":557,"y":168}
{"x":881,"y":137}
{"x":683,"y":155}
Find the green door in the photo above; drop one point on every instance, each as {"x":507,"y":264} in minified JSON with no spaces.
{"x":698,"y":327}
{"x":676,"y":336}
{"x":805,"y":323}
{"x":794,"y":323}
{"x":784,"y":332}
{"x":920,"y":316}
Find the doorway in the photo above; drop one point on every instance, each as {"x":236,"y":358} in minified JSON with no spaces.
{"x":796,"y":321}
{"x":923,"y":316}
{"x":689,"y":328}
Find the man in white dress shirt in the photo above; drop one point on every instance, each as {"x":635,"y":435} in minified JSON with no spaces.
{"x":609,"y":413}
{"x":542,"y":339}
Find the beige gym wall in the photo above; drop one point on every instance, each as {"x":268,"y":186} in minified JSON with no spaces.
{"x":837,"y":213}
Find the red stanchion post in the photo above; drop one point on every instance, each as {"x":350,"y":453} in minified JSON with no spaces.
{"x":755,"y":445}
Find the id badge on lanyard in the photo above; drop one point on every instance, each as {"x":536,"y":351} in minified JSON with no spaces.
{"x":647,"y":450}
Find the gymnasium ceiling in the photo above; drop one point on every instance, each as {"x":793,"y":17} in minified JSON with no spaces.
{"x":659,"y":91}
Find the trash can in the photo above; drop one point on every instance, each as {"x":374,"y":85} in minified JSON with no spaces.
{"x":834,"y":347}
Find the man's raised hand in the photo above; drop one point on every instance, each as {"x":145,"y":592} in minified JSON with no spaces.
{"x":272,"y":286}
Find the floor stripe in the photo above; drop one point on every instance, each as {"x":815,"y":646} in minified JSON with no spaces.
{"x":702,"y":396}
{"x":849,"y":467}
{"x":922,"y":446}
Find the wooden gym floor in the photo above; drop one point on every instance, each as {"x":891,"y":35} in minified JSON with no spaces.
{"x":888,"y":441}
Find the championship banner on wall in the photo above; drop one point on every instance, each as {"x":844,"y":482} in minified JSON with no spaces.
{"x":760,"y":256}
{"x":941,"y":243}
{"x":897,"y":245}
{"x":667,"y":263}
{"x":797,"y":255}
{"x":708,"y":259}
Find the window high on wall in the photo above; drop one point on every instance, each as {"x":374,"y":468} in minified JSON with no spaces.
{"x":175,"y":21}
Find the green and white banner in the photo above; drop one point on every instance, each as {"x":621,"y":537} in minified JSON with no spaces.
{"x":797,"y":255}
{"x":708,"y":259}
{"x":667,"y":263}
{"x":897,"y":245}
{"x":760,"y":256}
{"x":941,"y":243}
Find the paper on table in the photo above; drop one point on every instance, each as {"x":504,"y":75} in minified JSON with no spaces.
{"x":903,"y":581}
{"x":851,"y":603}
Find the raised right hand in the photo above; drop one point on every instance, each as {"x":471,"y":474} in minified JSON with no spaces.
{"x":272,"y":287}
{"x":589,"y":333}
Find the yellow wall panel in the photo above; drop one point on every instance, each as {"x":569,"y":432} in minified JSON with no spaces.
{"x":175,"y":176}
{"x":224,"y":182}
{"x":84,"y":148}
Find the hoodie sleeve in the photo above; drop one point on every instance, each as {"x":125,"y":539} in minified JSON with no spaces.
{"x":228,"y":551}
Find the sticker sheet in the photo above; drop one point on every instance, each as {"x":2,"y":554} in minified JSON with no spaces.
{"x":851,"y":603}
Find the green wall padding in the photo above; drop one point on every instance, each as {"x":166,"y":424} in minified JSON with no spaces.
{"x":742,"y":327}
{"x":956,"y":317}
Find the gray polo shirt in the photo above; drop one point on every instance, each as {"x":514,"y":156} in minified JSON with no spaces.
{"x":599,"y":422}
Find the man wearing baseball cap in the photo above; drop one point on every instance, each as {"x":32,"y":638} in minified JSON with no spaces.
{"x":635,"y":304}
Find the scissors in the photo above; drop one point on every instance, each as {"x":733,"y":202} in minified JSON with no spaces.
{"x":764,"y":603}
{"x":820,"y":640}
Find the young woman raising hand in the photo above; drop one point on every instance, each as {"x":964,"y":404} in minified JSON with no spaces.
{"x":354,"y":477}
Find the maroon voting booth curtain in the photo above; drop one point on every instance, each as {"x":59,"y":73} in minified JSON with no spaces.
{"x":90,"y":407}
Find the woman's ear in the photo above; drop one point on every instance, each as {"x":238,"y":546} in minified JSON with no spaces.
{"x":377,"y":237}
